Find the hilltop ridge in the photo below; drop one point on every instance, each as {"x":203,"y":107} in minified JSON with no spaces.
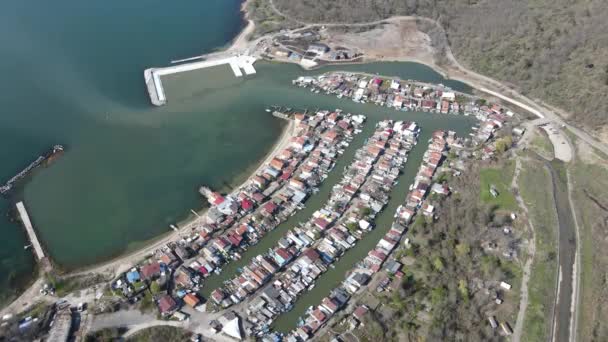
{"x":556,"y":51}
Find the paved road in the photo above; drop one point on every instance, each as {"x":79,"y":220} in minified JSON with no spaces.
{"x":481,"y":82}
{"x":567,"y":253}
{"x":456,"y":71}
{"x":568,"y":292}
{"x":566,"y":258}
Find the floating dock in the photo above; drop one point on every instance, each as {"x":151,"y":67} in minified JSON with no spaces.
{"x":154,"y":84}
{"x":25,"y":218}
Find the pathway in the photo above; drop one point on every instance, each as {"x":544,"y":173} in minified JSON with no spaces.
{"x":577,"y":269}
{"x":523,"y":300}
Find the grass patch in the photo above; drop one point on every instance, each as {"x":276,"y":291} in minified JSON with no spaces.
{"x":64,"y":286}
{"x":500,"y":178}
{"x":541,"y":144}
{"x":147,"y":303}
{"x":107,"y":334}
{"x":161,"y":334}
{"x":590,"y":194}
{"x":535,"y":187}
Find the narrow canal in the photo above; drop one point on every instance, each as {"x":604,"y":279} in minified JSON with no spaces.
{"x":333,"y":277}
{"x":272,"y":86}
{"x":314,"y":203}
{"x":272,"y":83}
{"x":567,"y":250}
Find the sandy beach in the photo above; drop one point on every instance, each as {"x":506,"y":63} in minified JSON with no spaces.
{"x":124,"y":262}
{"x":242,"y":40}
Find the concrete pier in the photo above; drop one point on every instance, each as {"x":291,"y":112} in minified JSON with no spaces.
{"x":30,"y":231}
{"x":154,"y":84}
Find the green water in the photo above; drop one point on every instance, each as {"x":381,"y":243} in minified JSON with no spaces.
{"x":75,"y":76}
{"x":72,"y":73}
{"x":333,"y":277}
{"x":272,"y":86}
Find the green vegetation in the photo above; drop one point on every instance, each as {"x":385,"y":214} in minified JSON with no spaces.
{"x":37,"y":310}
{"x":535,"y":187}
{"x":147,"y":303}
{"x":103,"y":335}
{"x":154,"y":334}
{"x":550,"y":49}
{"x":590,"y":192}
{"x":500,"y":178}
{"x":541,"y":144}
{"x":161,"y":334}
{"x":373,"y":330}
{"x":439,"y":298}
{"x":352,"y":227}
{"x":64,"y":286}
{"x":265,"y":18}
{"x":155,"y":288}
{"x":503,"y":144}
{"x":365,"y":212}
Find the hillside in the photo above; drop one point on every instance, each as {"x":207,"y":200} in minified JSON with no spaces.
{"x":555,"y":50}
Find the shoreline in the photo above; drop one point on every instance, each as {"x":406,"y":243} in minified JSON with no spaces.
{"x":123,"y":260}
{"x":126,"y":260}
{"x":148,"y":246}
{"x":243,"y":37}
{"x":161,"y":239}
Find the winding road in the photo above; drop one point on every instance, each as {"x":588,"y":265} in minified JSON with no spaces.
{"x":567,"y":299}
{"x":568,"y":296}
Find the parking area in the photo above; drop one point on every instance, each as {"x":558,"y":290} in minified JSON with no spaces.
{"x":558,"y":138}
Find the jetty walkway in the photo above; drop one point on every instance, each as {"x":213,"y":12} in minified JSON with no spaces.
{"x":29,"y":228}
{"x":155,"y":85}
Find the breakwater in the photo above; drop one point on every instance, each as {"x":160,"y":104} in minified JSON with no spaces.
{"x":8,"y":186}
{"x":154,"y":83}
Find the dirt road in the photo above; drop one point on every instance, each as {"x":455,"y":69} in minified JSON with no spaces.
{"x":523,"y":299}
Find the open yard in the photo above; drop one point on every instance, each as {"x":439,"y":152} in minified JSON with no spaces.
{"x":499,"y":178}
